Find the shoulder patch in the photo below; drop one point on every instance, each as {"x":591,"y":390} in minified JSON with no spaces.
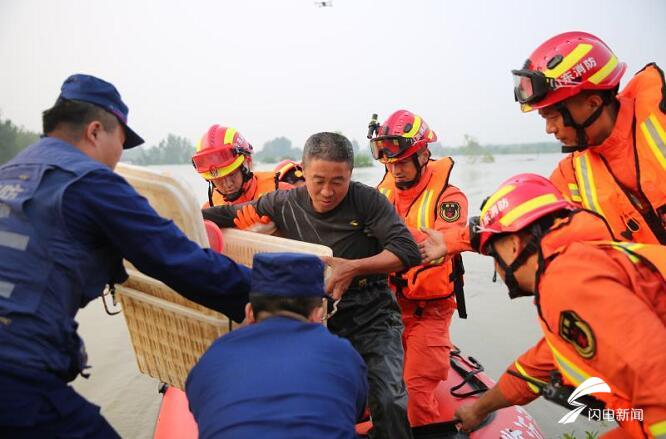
{"x":577,"y":331}
{"x":449,"y":211}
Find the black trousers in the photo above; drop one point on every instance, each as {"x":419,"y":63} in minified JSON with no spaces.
{"x":370,"y":319}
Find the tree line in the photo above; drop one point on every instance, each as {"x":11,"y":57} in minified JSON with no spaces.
{"x":175,"y":149}
{"x":13,"y":139}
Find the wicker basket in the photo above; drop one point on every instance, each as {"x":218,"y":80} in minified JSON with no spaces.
{"x":169,"y":332}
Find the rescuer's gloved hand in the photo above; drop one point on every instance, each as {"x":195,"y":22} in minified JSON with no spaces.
{"x":248,"y":219}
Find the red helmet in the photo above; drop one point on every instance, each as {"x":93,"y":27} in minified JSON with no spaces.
{"x":400,"y":136}
{"x":285,"y":167}
{"x":519,"y":201}
{"x":562,"y":67}
{"x":220,"y":151}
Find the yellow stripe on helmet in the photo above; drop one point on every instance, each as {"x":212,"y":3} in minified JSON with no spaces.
{"x":526,"y":207}
{"x":223,"y":172}
{"x":569,"y":61}
{"x":496,"y":196}
{"x":604,"y":72}
{"x":415,"y":128}
{"x":229,"y":136}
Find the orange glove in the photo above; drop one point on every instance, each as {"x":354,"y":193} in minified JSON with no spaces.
{"x":247,"y":217}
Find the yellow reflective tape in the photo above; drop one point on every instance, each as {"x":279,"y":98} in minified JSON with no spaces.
{"x":496,"y":196}
{"x":575,"y":193}
{"x":526,"y":108}
{"x":586,"y":180}
{"x":656,"y":138}
{"x":604,"y":72}
{"x":526,"y":207}
{"x":658,"y":429}
{"x":427,"y":209}
{"x":570,"y":371}
{"x":627,"y":249}
{"x":221,"y":172}
{"x":385,"y":191}
{"x":422,"y":216}
{"x":229,"y":136}
{"x":439,"y":261}
{"x":415,"y":128}
{"x":430,"y":135}
{"x":532,"y":387}
{"x":568,"y":62}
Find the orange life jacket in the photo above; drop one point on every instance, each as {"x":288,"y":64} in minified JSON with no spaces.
{"x":260,"y":184}
{"x":573,"y":368}
{"x":441,"y":278}
{"x":597,"y":189}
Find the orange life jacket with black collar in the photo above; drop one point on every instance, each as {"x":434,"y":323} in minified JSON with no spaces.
{"x":441,"y":278}
{"x":596,"y":186}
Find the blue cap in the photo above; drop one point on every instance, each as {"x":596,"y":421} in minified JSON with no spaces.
{"x":287,"y":275}
{"x":98,"y":92}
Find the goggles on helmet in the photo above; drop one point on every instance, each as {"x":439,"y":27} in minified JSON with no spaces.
{"x":210,"y":160}
{"x":531,"y":85}
{"x":385,"y":149}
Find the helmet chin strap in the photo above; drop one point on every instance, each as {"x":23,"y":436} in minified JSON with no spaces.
{"x":581,"y":136}
{"x":407,"y":184}
{"x":510,"y":269}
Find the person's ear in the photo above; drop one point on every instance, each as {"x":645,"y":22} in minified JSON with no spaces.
{"x":424,"y":156}
{"x":316,"y":315}
{"x":249,"y":313}
{"x":594,"y":101}
{"x":91,"y":132}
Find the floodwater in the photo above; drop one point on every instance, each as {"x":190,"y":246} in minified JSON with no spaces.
{"x":495,"y":333}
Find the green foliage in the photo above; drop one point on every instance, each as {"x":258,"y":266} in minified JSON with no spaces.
{"x":173,"y":150}
{"x":278,"y":149}
{"x":13,"y":139}
{"x":475,"y":152}
{"x":362,"y":161}
{"x":588,"y":435}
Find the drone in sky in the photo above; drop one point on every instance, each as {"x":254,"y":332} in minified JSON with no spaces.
{"x":324,"y":4}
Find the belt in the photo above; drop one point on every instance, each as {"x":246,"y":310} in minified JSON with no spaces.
{"x":363,"y":282}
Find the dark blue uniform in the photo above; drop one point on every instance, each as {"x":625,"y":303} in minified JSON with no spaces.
{"x":280,"y":378}
{"x":66,"y":222}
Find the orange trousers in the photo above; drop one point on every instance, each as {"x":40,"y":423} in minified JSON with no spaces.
{"x":427,"y":346}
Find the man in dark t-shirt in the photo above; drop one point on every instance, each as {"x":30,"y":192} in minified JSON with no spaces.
{"x":368,"y":240}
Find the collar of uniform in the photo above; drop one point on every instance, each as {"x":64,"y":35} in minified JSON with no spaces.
{"x":619,"y":142}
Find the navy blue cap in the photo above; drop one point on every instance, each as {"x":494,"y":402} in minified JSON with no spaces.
{"x":96,"y":91}
{"x":287,"y":275}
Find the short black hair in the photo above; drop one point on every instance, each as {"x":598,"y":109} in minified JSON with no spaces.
{"x":76,"y":114}
{"x":271,"y":304}
{"x":332,"y":147}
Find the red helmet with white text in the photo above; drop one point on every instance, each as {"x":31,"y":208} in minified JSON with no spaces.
{"x":400,"y":136}
{"x":519,"y":201}
{"x":562,"y":67}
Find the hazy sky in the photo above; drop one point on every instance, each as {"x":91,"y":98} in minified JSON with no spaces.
{"x":273,"y":68}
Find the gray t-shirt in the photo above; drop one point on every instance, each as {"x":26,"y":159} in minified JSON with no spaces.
{"x":362,"y":225}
